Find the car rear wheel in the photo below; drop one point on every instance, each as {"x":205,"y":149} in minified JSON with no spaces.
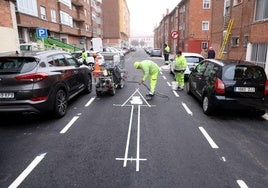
{"x":60,"y":103}
{"x":207,"y":106}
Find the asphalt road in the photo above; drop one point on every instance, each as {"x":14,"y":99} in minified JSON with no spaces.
{"x":122,"y":141}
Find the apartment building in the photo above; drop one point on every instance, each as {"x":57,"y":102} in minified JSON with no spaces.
{"x":72,"y":22}
{"x":192,"y":20}
{"x":8,"y":27}
{"x":248,"y":39}
{"x":116,"y":23}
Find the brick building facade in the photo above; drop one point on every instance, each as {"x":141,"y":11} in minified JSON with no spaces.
{"x":116,"y":23}
{"x":8,"y":27}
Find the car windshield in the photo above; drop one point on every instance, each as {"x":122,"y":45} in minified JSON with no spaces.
{"x":238,"y":72}
{"x":16,"y":64}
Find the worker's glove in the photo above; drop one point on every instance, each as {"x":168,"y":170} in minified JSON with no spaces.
{"x":141,"y":82}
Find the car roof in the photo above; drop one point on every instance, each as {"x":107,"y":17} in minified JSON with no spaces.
{"x":231,"y":62}
{"x":191,"y":54}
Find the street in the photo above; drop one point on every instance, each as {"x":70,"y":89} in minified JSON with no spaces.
{"x":125,"y":141}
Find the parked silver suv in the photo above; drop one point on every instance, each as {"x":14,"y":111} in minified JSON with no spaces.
{"x":41,"y":81}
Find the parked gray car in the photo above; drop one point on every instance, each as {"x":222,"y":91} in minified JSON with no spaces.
{"x":41,"y":82}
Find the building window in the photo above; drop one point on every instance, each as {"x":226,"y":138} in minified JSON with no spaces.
{"x":204,"y":45}
{"x":234,"y":41}
{"x":53,"y":16}
{"x":261,"y":10}
{"x":66,"y":2}
{"x":259,"y":53}
{"x":205,"y":25}
{"x":28,"y":7}
{"x":43,"y":13}
{"x":66,"y":19}
{"x":206,"y":4}
{"x":236,"y":2}
{"x":245,"y":42}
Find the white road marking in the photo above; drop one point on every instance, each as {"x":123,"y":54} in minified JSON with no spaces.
{"x":164,"y":77}
{"x":161,"y":73}
{"x":90,"y":101}
{"x":175,"y":93}
{"x":138,"y":139}
{"x":168,"y":84}
{"x":187,"y":109}
{"x":209,"y":139}
{"x":65,"y":129}
{"x":242,"y":184}
{"x":128,"y":136}
{"x":27,"y":171}
{"x":223,"y":159}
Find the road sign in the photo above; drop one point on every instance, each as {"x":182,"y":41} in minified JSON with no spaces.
{"x":174,"y":34}
{"x":41,"y":32}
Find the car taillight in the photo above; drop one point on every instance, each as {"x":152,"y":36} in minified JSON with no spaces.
{"x":266,"y":88}
{"x":35,"y":77}
{"x":41,"y":98}
{"x":219,"y":86}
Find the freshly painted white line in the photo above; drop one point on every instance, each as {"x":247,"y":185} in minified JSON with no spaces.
{"x":161,"y":72}
{"x":65,"y":129}
{"x":187,"y":109}
{"x":27,"y":171}
{"x":242,"y":184}
{"x":138,"y":140}
{"x":223,"y":159}
{"x":128,"y":136}
{"x":90,"y":101}
{"x":129,"y":159}
{"x":209,"y":139}
{"x":164,"y":77}
{"x":175,"y":93}
{"x":168,"y":84}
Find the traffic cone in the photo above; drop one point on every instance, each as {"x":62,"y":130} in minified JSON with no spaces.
{"x":97,"y":71}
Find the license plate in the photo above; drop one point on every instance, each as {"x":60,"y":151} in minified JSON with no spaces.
{"x":6,"y":95}
{"x":244,"y":89}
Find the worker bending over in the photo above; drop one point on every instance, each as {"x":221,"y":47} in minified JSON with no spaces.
{"x":149,"y":69}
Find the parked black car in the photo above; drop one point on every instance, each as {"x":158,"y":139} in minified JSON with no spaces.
{"x":230,"y":85}
{"x":41,"y":81}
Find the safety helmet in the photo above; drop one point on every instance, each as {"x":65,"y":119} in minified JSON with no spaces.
{"x":137,"y":64}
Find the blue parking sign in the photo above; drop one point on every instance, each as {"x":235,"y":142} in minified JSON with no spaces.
{"x":41,"y":32}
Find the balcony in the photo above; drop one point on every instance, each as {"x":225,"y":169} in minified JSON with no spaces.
{"x":77,"y":3}
{"x":79,"y":16}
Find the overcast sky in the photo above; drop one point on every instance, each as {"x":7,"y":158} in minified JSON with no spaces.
{"x":146,"y":14}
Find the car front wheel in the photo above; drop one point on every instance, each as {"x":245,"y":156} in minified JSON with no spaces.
{"x":60,"y":103}
{"x":207,"y":105}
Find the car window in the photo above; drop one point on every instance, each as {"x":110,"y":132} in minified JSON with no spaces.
{"x":238,"y":72}
{"x":201,"y":67}
{"x":193,"y":59}
{"x":17,"y":64}
{"x":209,"y":69}
{"x":70,"y":60}
{"x":59,"y":60}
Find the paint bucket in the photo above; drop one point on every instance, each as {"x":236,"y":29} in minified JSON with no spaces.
{"x":174,"y":85}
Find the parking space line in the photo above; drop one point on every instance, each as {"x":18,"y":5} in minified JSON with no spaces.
{"x":65,"y":129}
{"x":209,"y":139}
{"x":175,"y":93}
{"x":27,"y":171}
{"x":168,"y":84}
{"x":242,"y":184}
{"x":187,"y":109}
{"x":164,"y":77}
